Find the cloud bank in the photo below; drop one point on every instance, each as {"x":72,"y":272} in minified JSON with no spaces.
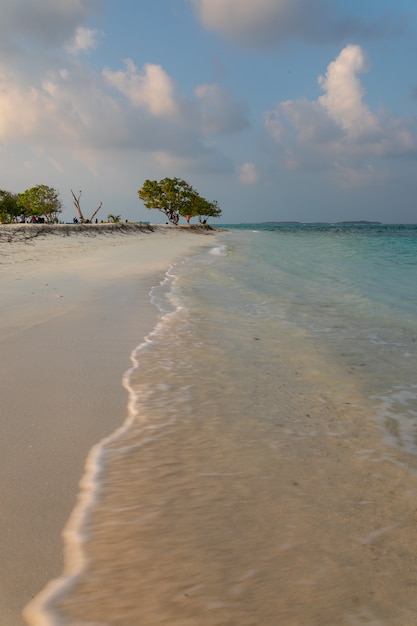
{"x":270,"y":23}
{"x":338,"y":132}
{"x":49,"y":97}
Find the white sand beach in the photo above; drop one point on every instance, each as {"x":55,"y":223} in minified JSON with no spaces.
{"x":74,"y":305}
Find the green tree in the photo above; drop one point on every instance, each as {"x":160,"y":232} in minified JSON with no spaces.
{"x":9,"y":208}
{"x":204,"y":209}
{"x":40,"y":200}
{"x":172,"y":196}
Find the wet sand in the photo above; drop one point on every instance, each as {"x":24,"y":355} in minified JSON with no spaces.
{"x":74,"y":305}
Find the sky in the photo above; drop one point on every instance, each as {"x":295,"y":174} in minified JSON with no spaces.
{"x":280,"y":110}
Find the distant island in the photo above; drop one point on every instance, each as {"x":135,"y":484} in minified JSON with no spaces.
{"x":359,"y":222}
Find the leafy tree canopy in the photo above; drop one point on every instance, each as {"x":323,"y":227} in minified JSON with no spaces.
{"x":204,"y":209}
{"x":175,"y":197}
{"x":9,"y":208}
{"x":40,"y":200}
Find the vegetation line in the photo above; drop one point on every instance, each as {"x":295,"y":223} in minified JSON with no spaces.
{"x":26,"y":232}
{"x":41,"y":204}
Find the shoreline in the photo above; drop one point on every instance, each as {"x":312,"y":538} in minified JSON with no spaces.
{"x":32,"y":231}
{"x":73,"y":310}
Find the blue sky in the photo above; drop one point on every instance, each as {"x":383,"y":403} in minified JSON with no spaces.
{"x":278,"y":109}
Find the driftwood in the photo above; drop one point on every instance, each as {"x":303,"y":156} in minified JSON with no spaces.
{"x":76,"y":202}
{"x":96,"y":211}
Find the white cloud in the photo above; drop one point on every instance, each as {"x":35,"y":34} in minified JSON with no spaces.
{"x":50,"y":101}
{"x":338,"y":131}
{"x":153,"y":88}
{"x":266,"y":23}
{"x":310,"y":119}
{"x":84,"y":39}
{"x":67,"y":108}
{"x":343,"y":99}
{"x":73,"y":108}
{"x":213,"y":111}
{"x":248,"y":174}
{"x":26,"y":112}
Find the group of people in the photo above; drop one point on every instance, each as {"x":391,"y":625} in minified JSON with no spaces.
{"x":33,"y":219}
{"x":77,"y":221}
{"x":173,"y":217}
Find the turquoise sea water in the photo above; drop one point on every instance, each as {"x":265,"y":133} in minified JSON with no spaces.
{"x":228,"y":496}
{"x":352,"y":288}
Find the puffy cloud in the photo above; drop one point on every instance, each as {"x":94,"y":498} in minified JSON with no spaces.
{"x":343,"y":99}
{"x":29,"y":112}
{"x":153,"y":89}
{"x":85,"y":112}
{"x":248,"y":174}
{"x":266,"y":23}
{"x":338,"y":131}
{"x":310,"y":119}
{"x":49,"y":100}
{"x":84,"y":39}
{"x":67,"y":108}
{"x":212,"y":112}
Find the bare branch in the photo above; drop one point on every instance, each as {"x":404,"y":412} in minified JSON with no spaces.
{"x":96,"y":211}
{"x":76,"y":202}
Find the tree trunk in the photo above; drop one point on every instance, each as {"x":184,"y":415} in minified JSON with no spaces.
{"x":77,"y":206}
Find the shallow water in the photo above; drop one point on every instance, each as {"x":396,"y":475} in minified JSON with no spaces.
{"x":250,"y":484}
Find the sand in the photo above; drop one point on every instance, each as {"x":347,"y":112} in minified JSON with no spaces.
{"x":75,"y":302}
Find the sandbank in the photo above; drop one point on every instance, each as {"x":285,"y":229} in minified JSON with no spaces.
{"x":75,"y":303}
